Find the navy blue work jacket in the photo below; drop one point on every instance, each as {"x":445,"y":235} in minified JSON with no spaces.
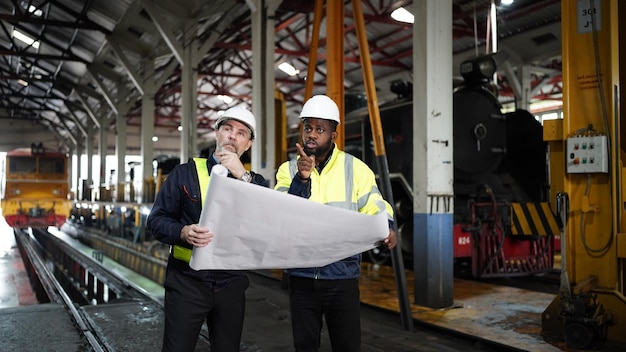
{"x":179,"y":203}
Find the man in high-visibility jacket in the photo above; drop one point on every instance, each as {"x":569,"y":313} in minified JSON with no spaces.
{"x":324,"y":174}
{"x":214,"y":296}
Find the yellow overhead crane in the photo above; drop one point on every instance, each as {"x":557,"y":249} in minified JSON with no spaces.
{"x":587,"y":150}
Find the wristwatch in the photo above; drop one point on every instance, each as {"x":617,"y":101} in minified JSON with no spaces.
{"x":246,"y":177}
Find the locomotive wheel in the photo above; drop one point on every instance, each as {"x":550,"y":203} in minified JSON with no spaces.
{"x":578,"y":335}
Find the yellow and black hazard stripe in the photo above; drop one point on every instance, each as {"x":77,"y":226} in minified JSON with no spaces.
{"x":533,"y":219}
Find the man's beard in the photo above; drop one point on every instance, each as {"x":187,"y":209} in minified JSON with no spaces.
{"x":321,"y":150}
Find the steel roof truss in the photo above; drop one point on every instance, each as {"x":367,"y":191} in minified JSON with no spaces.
{"x":105,"y":91}
{"x":165,"y":30}
{"x":88,"y":110}
{"x":132,"y":74}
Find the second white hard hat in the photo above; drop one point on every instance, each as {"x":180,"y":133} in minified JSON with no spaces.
{"x":320,"y":107}
{"x":240,"y":114}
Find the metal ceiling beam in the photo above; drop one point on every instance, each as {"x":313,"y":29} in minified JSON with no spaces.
{"x":88,"y":110}
{"x":47,"y":22}
{"x":166,"y":72}
{"x":80,"y":16}
{"x":27,"y":78}
{"x":105,"y":71}
{"x":87,"y":90}
{"x":165,"y":30}
{"x":69,"y":132}
{"x":77,"y":122}
{"x":10,"y":117}
{"x":6,"y":52}
{"x":126,"y":39}
{"x":18,"y":109}
{"x":105,"y":92}
{"x":117,"y":49}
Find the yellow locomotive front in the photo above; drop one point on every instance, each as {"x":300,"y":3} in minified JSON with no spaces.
{"x":36,"y":188}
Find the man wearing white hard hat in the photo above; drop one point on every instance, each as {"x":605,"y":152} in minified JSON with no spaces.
{"x":195,"y":296}
{"x":324,"y":174}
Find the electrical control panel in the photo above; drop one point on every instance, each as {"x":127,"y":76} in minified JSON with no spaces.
{"x":587,"y":154}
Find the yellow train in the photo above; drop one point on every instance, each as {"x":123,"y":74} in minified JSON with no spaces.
{"x":35,"y":188}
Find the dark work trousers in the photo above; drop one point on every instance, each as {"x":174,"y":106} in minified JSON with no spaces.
{"x":188,"y":303}
{"x":336,"y":300}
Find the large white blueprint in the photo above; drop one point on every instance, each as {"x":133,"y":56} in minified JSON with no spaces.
{"x":260,"y":228}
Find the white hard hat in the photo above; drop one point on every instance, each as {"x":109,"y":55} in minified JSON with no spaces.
{"x":320,"y":107}
{"x":240,"y":114}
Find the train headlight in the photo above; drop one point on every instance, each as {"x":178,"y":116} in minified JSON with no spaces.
{"x":478,"y":69}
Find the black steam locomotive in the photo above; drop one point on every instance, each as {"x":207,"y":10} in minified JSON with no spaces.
{"x":503,"y":225}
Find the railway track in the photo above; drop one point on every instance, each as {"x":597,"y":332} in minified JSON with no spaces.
{"x":55,"y":291}
{"x":85,"y":288}
{"x":267,"y":306}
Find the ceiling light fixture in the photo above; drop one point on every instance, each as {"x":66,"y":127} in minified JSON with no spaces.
{"x":155,"y":138}
{"x":288,"y":69}
{"x":507,"y":2}
{"x":35,"y":11}
{"x":225,"y":98}
{"x":402,"y":15}
{"x":26,"y":39}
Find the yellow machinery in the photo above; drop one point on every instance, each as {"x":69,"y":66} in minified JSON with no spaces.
{"x":587,"y":170}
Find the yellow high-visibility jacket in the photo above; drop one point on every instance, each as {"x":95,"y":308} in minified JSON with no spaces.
{"x":344,"y":182}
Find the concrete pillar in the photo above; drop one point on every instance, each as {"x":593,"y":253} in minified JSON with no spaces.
{"x":189,"y":94}
{"x":89,"y":150}
{"x":120,"y":155}
{"x":79,"y":164}
{"x":525,"y":79}
{"x":433,"y":154}
{"x":263,"y":81}
{"x":102,"y":149}
{"x":147,"y":122}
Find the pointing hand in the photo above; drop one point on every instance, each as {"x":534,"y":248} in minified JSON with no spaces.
{"x":305,"y":163}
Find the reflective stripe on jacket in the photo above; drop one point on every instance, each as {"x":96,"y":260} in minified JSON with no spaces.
{"x":184,"y":253}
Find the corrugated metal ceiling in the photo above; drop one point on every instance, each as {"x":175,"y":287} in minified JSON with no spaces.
{"x":91,"y":53}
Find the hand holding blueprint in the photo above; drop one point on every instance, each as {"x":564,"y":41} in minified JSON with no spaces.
{"x":260,"y":228}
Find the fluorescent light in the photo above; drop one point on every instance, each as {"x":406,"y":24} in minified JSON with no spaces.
{"x":35,"y":11}
{"x":225,"y":98}
{"x":402,"y":15}
{"x":507,"y":2}
{"x":288,"y":69}
{"x":22,"y":82}
{"x":26,"y":39}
